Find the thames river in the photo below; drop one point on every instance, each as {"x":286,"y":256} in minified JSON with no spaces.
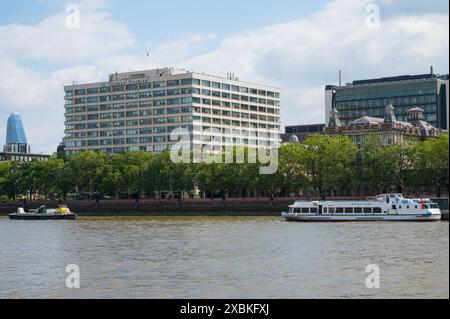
{"x":222,"y":257}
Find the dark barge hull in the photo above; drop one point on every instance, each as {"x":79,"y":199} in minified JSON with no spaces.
{"x":71,"y":216}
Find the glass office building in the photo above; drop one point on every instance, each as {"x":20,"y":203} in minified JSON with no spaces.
{"x":302,"y":132}
{"x":16,"y":141}
{"x":139,"y":110}
{"x":16,"y":147}
{"x":369,"y":98}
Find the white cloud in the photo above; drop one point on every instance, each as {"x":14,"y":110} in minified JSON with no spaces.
{"x":98,"y":34}
{"x":300,"y":56}
{"x":304,"y":55}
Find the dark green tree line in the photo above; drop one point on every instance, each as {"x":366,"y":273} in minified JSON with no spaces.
{"x":323,"y":166}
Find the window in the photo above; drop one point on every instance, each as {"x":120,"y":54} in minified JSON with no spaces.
{"x":186,"y":81}
{"x":173,"y":82}
{"x":93,"y":108}
{"x":348,"y":210}
{"x":118,"y":88}
{"x":206,"y":83}
{"x":92,"y":91}
{"x":144,"y":86}
{"x":367,"y":210}
{"x":305,"y":210}
{"x":173,"y":92}
{"x":132,"y":87}
{"x":159,"y":84}
{"x":377,"y":210}
{"x":173,"y":101}
{"x":159,"y":93}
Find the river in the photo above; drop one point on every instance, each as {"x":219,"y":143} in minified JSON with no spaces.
{"x":222,"y":257}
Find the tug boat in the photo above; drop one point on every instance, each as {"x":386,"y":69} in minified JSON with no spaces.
{"x":42,"y":213}
{"x":386,"y":207}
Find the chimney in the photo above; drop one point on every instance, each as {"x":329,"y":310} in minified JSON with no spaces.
{"x":431,"y":70}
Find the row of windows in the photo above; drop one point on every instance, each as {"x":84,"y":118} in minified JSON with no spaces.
{"x":168,"y":129}
{"x":168,"y":120}
{"x":143,"y":122}
{"x":346,"y":95}
{"x":171,"y":83}
{"x":162,"y":139}
{"x":108,"y":98}
{"x":338,"y":210}
{"x":381,"y":103}
{"x":157,"y":112}
{"x":147,"y":148}
{"x":119,"y":141}
{"x":131,"y":105}
{"x":120,"y":150}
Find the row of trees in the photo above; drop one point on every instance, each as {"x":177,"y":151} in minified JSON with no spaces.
{"x":324,"y":165}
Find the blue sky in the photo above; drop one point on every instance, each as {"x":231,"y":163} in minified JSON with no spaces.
{"x":296,"y":45}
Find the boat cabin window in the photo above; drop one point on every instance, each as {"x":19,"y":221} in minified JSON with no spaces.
{"x":314,"y":210}
{"x":331,"y":210}
{"x":349,"y":210}
{"x":394,"y":207}
{"x":367,"y":210}
{"x":358,"y":210}
{"x":305,"y":210}
{"x":433,"y":205}
{"x":297,"y":210}
{"x":377,"y":210}
{"x":339,"y":210}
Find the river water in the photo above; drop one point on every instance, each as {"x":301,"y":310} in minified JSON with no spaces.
{"x":222,"y":257}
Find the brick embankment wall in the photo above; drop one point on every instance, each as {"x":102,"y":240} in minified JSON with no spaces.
{"x":207,"y":207}
{"x":191,"y":207}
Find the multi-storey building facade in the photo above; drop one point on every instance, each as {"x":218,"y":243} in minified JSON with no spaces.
{"x":369,"y":98}
{"x":139,"y":110}
{"x":387,"y":129}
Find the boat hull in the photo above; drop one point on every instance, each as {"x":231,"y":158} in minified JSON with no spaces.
{"x":70,"y":216}
{"x":361,"y":218}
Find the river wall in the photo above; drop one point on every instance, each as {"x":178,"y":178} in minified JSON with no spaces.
{"x":190,"y":207}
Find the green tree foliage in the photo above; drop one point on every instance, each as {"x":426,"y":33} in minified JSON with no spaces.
{"x":324,"y":165}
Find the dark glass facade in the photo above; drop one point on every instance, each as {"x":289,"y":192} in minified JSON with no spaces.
{"x":370,"y":97}
{"x":302,"y":131}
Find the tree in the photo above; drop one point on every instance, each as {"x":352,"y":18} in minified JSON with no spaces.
{"x":329,"y":161}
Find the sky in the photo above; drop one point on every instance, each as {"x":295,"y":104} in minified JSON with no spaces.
{"x":298,"y":46}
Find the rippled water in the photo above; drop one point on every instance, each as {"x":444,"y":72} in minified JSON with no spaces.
{"x":226,"y":257}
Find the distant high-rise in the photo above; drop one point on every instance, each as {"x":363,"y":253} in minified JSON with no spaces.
{"x":16,"y":141}
{"x":16,"y":147}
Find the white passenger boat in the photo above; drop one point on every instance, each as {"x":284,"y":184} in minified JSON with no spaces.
{"x":386,"y":207}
